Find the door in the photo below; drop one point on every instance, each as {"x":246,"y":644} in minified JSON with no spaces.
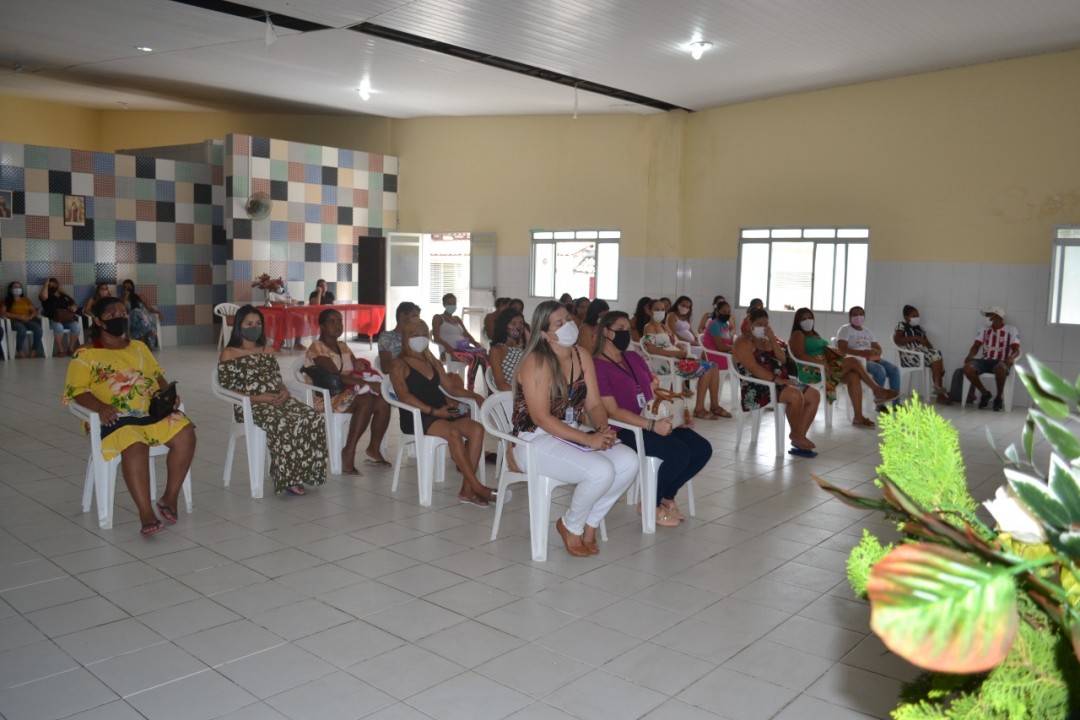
{"x":371,"y":270}
{"x":402,"y":271}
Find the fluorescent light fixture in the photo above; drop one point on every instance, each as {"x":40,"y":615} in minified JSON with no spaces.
{"x":698,"y":48}
{"x":143,"y":48}
{"x":364,"y":89}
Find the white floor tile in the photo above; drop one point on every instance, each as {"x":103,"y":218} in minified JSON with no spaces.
{"x":469,"y":697}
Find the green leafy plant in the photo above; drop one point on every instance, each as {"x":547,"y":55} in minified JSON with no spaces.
{"x":992,"y":613}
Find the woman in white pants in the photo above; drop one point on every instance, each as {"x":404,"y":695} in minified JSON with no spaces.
{"x":554,"y":387}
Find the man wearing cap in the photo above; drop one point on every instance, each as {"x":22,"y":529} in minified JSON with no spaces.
{"x":1000,"y":345}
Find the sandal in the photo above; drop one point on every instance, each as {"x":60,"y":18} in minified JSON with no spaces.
{"x":720,"y":412}
{"x":153,"y":528}
{"x":168,"y":512}
{"x":351,"y":472}
{"x":886,"y":395}
{"x":474,"y":500}
{"x":673,"y":509}
{"x":801,"y":452}
{"x":863,"y":422}
{"x":378,"y":463}
{"x":664,"y":518}
{"x":296,"y":490}
{"x":943,"y":398}
{"x":564,"y":533}
{"x":704,"y":415}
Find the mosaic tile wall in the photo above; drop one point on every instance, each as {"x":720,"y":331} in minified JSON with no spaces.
{"x":323,"y":199}
{"x":158,"y":222}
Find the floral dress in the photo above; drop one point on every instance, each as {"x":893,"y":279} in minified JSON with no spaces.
{"x":125,"y":379}
{"x":295,"y":433}
{"x":142,"y":325}
{"x":688,"y":368}
{"x":755,"y":395}
{"x":818,"y":348}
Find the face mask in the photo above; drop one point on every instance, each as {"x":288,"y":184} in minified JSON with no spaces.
{"x":252,"y":333}
{"x":987,"y":321}
{"x":684,"y":310}
{"x":856,"y":320}
{"x":723,"y":317}
{"x":621,"y":340}
{"x":759,"y":331}
{"x":567,"y":334}
{"x":16,"y":292}
{"x":513,"y":333}
{"x":807,"y":325}
{"x":450,"y":309}
{"x":915,"y":321}
{"x":116,"y":326}
{"x":659,"y":315}
{"x":418,"y":344}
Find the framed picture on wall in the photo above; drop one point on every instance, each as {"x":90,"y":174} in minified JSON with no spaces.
{"x":5,"y":204}
{"x":75,"y":210}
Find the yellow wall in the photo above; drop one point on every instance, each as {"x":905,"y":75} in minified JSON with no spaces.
{"x":43,"y":123}
{"x":978,"y":162}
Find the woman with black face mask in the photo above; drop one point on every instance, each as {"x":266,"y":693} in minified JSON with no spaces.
{"x":624,"y":381}
{"x":116,"y":377}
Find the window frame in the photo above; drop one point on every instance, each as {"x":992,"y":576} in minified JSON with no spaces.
{"x":592,"y":235}
{"x":1061,"y":241}
{"x":773,"y":238}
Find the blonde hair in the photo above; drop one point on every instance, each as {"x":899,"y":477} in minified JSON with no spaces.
{"x":545,"y":356}
{"x":409,"y":329}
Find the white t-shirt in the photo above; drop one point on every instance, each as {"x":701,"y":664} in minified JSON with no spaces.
{"x":857,"y":338}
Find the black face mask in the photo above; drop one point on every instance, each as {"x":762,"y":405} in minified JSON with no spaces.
{"x":621,"y":340}
{"x":116,"y":326}
{"x":723,"y":317}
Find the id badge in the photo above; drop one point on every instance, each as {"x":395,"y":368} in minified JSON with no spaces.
{"x":570,"y":417}
{"x":641,"y":401}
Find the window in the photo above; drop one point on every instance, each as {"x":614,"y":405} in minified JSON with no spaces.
{"x":823,"y":269}
{"x":584,"y":263}
{"x":1065,"y":277}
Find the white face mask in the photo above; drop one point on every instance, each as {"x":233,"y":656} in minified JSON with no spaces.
{"x":567,"y":334}
{"x":418,"y":344}
{"x":987,"y":321}
{"x":759,"y":331}
{"x":18,"y":292}
{"x":807,"y":325}
{"x":915,"y":321}
{"x":450,"y":309}
{"x":857,"y":320}
{"x":659,"y":315}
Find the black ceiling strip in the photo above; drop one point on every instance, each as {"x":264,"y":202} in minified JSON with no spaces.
{"x":292,"y":23}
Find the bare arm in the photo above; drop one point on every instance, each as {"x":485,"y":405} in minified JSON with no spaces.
{"x":655,"y":328}
{"x":536,"y":385}
{"x":797,"y":345}
{"x":44,"y":294}
{"x":973,"y":351}
{"x":497,"y":355}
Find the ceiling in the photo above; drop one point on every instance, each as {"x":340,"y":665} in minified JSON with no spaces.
{"x":84,"y":53}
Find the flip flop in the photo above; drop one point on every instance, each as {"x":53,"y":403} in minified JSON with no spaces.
{"x":474,"y":500}
{"x":378,"y":463}
{"x":151,"y":528}
{"x":168,"y":512}
{"x":720,"y":412}
{"x":297,"y":490}
{"x":704,"y":415}
{"x":864,"y":423}
{"x":802,"y":453}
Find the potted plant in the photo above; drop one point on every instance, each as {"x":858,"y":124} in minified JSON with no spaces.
{"x":991,"y":613}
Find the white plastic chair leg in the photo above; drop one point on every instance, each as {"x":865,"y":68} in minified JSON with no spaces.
{"x":539,"y":517}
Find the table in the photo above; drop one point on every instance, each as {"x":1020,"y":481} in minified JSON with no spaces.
{"x":285,"y":323}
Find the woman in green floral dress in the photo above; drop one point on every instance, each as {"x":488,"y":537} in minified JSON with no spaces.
{"x":295,"y":433}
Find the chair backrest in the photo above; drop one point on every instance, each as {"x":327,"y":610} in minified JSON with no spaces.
{"x":489,"y":377}
{"x":226,"y":311}
{"x":92,"y":419}
{"x":496,"y":415}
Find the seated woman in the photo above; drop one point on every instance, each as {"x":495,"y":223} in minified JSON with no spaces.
{"x":556,"y":387}
{"x":116,"y":377}
{"x":143,"y":326}
{"x":587,"y":327}
{"x":519,"y":305}
{"x":808,"y":346}
{"x":711,"y":314}
{"x":295,"y":433}
{"x":717,"y":334}
{"x":678,"y":323}
{"x":758,"y":354}
{"x":24,"y":319}
{"x":101,"y":290}
{"x":390,"y":340}
{"x":489,"y":319}
{"x":658,"y":341}
{"x":361,"y":397}
{"x":642,"y":316}
{"x":581,"y":309}
{"x":417,"y":376}
{"x":60,"y":309}
{"x":624,"y":382}
{"x":450,"y":333}
{"x":507,"y":347}
{"x":756,"y":303}
{"x":910,"y":335}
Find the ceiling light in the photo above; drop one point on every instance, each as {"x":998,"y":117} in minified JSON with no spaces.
{"x":143,"y":48}
{"x":698,"y":48}
{"x":364,"y":89}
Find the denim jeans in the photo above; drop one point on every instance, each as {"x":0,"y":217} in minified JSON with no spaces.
{"x":882,"y":370}
{"x":34,"y":328}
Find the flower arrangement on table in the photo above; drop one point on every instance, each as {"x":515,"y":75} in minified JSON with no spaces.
{"x":992,"y":613}
{"x":266,"y":283}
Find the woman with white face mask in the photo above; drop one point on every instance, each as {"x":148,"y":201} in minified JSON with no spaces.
{"x":910,"y":335}
{"x":450,"y":333}
{"x":758,"y":354}
{"x":24,"y":320}
{"x":417,"y":377}
{"x":806,"y":344}
{"x":658,"y":340}
{"x":554,"y":390}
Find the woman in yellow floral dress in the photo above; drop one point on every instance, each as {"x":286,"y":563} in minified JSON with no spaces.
{"x":116,"y":377}
{"x":295,"y":433}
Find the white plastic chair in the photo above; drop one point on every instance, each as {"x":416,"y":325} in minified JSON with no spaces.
{"x":920,"y":369}
{"x":779,"y":419}
{"x":989,"y":381}
{"x":225,"y":311}
{"x":496,"y":417}
{"x":9,"y":339}
{"x":48,"y":338}
{"x":643,"y":489}
{"x":868,"y":404}
{"x":254,"y":436}
{"x":100,"y":480}
{"x":430,"y":451}
{"x":337,"y":424}
{"x":727,"y":376}
{"x":820,"y":387}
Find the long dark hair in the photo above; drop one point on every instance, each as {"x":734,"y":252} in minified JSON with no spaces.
{"x":642,"y":315}
{"x":10,"y":299}
{"x":679,"y":301}
{"x":800,"y":315}
{"x":596,"y":309}
{"x":546,"y":360}
{"x":499,"y":336}
{"x":716,"y":303}
{"x":605,"y":324}
{"x":236,"y":339}
{"x":98,"y":309}
{"x":136,"y":301}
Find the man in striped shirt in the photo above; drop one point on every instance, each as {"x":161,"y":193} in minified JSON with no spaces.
{"x":1000,"y":344}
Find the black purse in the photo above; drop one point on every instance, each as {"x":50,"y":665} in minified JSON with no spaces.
{"x":163,"y":402}
{"x":323,"y":378}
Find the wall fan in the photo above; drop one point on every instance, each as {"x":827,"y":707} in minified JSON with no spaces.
{"x":258,"y":206}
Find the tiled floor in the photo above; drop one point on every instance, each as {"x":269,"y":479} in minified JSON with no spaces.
{"x":353,"y":602}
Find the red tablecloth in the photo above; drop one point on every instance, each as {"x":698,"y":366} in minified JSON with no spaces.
{"x":286,"y":323}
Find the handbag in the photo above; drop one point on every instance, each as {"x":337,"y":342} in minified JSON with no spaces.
{"x":666,"y":404}
{"x":323,"y":378}
{"x":163,"y":402}
{"x":64,"y":316}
